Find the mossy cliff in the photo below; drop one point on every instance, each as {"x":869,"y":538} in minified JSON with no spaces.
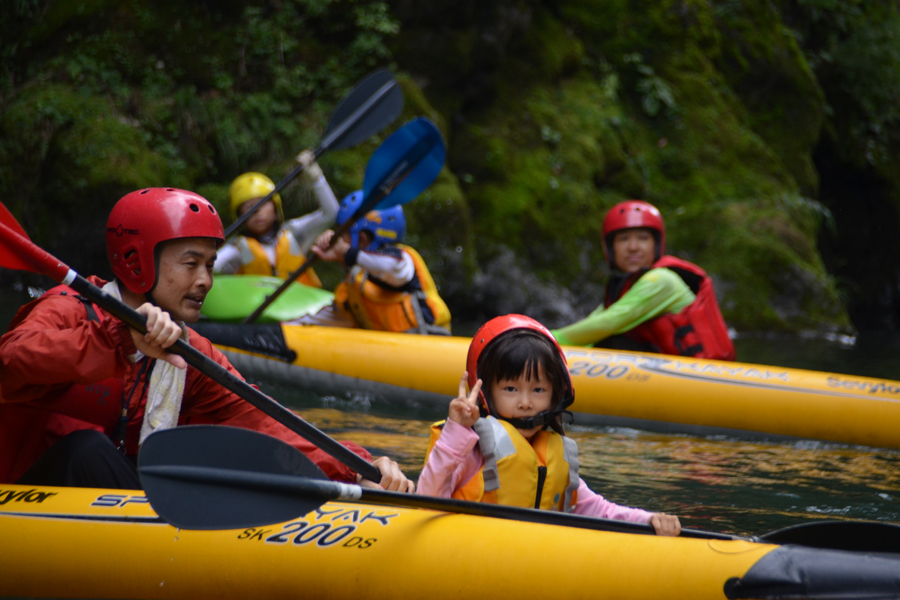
{"x":720,"y":113}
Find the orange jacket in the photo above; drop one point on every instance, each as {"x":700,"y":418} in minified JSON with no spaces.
{"x":288,"y":259}
{"x":373,"y":305}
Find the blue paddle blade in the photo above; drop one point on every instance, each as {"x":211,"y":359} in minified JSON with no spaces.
{"x":403,"y":166}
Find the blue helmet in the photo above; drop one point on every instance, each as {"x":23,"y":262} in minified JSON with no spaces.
{"x":386,"y":226}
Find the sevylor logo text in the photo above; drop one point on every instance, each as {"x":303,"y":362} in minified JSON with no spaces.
{"x":7,"y":496}
{"x":120,"y":231}
{"x":863,"y":386}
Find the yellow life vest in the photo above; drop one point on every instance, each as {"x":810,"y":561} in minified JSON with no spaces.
{"x":288,"y":258}
{"x":374,"y":307}
{"x":512,"y":472}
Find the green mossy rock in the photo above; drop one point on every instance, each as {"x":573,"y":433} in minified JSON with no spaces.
{"x":545,"y":160}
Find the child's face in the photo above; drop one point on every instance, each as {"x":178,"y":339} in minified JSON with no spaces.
{"x":518,"y":398}
{"x":262,"y":220}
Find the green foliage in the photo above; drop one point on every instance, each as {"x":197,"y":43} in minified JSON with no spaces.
{"x":654,"y":91}
{"x":661,"y":109}
{"x":767,"y":251}
{"x":15,"y":17}
{"x":763,"y":65}
{"x":553,"y":111}
{"x":854,"y":48}
{"x":111,"y":97}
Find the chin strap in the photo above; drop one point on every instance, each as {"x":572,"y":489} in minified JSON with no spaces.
{"x":538,"y":420}
{"x":270,"y":236}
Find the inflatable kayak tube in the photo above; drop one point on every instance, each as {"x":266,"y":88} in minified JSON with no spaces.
{"x":95,"y":543}
{"x":234,"y":297}
{"x":646,"y":391}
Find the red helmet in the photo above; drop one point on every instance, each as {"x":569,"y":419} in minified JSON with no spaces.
{"x":143,"y":219}
{"x":500,"y":325}
{"x":630,"y":214}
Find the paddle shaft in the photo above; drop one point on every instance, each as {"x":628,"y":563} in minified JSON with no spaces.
{"x":230,"y":231}
{"x":42,"y":262}
{"x":331,"y":138}
{"x":381,"y":191}
{"x":223,"y":377}
{"x":311,"y":259}
{"x":323,"y":490}
{"x":219,"y":477}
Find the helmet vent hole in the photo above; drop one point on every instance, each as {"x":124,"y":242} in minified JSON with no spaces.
{"x":211,"y":208}
{"x":195,"y":208}
{"x":144,"y":192}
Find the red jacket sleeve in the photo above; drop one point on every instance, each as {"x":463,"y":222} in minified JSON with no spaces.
{"x":51,"y":344}
{"x":207,"y":402}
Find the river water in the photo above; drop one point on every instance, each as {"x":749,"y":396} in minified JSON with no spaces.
{"x":716,"y":483}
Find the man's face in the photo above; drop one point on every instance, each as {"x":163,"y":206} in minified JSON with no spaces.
{"x":185,"y":277}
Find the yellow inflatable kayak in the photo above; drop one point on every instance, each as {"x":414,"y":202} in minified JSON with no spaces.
{"x":90,"y":543}
{"x":646,"y":391}
{"x":98,"y":543}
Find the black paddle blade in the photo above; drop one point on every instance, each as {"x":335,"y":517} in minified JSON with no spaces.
{"x":209,"y":477}
{"x":374,"y":103}
{"x":862,"y":536}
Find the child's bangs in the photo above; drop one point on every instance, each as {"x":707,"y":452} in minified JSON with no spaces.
{"x":522,"y":352}
{"x":524,"y":357}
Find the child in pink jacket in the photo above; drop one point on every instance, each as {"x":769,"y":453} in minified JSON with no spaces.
{"x":507,"y":444}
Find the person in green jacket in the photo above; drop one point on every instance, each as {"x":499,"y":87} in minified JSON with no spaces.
{"x":656,"y":302}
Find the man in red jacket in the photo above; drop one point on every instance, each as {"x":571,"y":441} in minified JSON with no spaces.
{"x":659,"y":302}
{"x":80,"y":390}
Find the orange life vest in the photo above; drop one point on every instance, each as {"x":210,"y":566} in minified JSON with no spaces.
{"x":540,"y":474}
{"x":288,"y":258}
{"x":373,"y":306}
{"x":698,"y":330}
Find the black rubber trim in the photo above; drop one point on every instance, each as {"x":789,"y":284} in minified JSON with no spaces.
{"x":266,"y":339}
{"x":692,"y":350}
{"x":692,"y":280}
{"x":791,"y":572}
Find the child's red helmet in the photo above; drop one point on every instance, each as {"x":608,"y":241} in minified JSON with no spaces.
{"x":628,"y":215}
{"x":143,"y":219}
{"x":500,"y":325}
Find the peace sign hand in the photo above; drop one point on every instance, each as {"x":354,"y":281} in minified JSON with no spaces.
{"x":464,"y":409}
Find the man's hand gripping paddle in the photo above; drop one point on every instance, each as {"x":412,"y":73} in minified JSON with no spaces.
{"x":18,"y":252}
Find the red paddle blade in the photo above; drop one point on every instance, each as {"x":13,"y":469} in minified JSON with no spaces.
{"x":10,"y":221}
{"x":20,"y":253}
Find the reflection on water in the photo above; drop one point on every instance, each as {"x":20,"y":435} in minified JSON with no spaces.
{"x":739,"y":486}
{"x":716,"y":483}
{"x":720,"y":484}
